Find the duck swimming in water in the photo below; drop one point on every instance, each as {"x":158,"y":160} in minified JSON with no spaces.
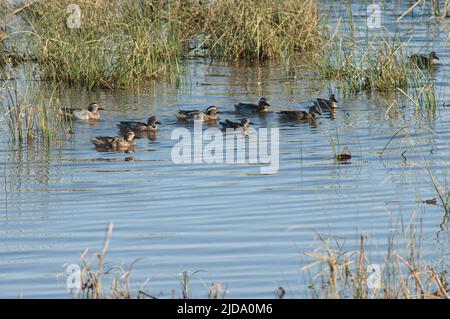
{"x":150,"y":126}
{"x":210,"y":115}
{"x":261,"y":107}
{"x":424,"y":60}
{"x":91,"y":113}
{"x":115,"y":143}
{"x":326,"y":105}
{"x":242,"y":126}
{"x":301,"y":115}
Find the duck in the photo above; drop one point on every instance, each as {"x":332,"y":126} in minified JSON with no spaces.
{"x":345,"y":156}
{"x":210,"y":115}
{"x":301,"y":115}
{"x":91,"y":113}
{"x":115,"y":143}
{"x":243,"y":124}
{"x":150,"y":126}
{"x":326,"y":105}
{"x":424,"y":60}
{"x":261,"y":107}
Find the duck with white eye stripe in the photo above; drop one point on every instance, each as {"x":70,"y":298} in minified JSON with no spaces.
{"x":91,"y":113}
{"x":209,"y":116}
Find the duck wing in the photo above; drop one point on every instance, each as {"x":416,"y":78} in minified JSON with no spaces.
{"x":244,"y":106}
{"x":184,"y":115}
{"x":134,"y":126}
{"x":232,"y":124}
{"x":104,"y":141}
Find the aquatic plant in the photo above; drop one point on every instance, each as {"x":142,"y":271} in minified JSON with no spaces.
{"x":261,"y":30}
{"x":358,"y":66}
{"x":119,"y":43}
{"x":421,"y":90}
{"x":93,"y":280}
{"x":31,"y":113}
{"x":343,"y":274}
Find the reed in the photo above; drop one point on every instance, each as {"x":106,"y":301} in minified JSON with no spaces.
{"x":96,"y":282}
{"x":371,"y":65}
{"x":343,"y":274}
{"x":421,"y":90}
{"x":31,"y":113}
{"x":261,"y":30}
{"x":118,"y":43}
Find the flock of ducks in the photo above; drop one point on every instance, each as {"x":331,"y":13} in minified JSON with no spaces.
{"x":130,"y":129}
{"x":125,"y":142}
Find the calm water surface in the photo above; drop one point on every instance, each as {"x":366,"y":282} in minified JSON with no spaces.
{"x":242,"y":229}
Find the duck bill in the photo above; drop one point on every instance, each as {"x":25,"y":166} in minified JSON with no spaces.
{"x":100,"y":108}
{"x":158,"y":122}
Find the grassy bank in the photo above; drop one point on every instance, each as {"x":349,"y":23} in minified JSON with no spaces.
{"x":119,"y":43}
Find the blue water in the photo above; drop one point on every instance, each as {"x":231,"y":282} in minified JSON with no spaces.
{"x":242,"y":229}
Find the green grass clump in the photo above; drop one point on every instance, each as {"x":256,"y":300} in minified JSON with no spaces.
{"x":261,"y":30}
{"x":119,"y":42}
{"x":31,"y":113}
{"x":363,"y":66}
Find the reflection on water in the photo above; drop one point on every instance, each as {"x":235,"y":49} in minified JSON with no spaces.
{"x":246,"y":230}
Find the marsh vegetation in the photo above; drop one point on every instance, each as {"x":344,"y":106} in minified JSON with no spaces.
{"x":154,"y":56}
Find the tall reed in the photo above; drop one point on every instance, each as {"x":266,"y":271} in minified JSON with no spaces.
{"x":261,"y":30}
{"x":351,"y":274}
{"x":29,"y":112}
{"x":118,"y":43}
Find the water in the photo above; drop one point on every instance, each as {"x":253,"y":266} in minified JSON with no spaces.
{"x":242,"y":229}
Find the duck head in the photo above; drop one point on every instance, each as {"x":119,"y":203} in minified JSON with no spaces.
{"x":333,"y":101}
{"x":129,"y":136}
{"x":94,"y":108}
{"x":153,"y":120}
{"x":212,"y":110}
{"x":246,"y":122}
{"x":263,"y":105}
{"x":433,"y":57}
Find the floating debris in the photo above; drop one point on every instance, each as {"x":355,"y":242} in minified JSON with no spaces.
{"x":345,"y":156}
{"x":432,"y":201}
{"x":280,"y":292}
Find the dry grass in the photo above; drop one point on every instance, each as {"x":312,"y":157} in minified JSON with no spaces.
{"x":121,"y":43}
{"x":342,"y":274}
{"x":115,"y":282}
